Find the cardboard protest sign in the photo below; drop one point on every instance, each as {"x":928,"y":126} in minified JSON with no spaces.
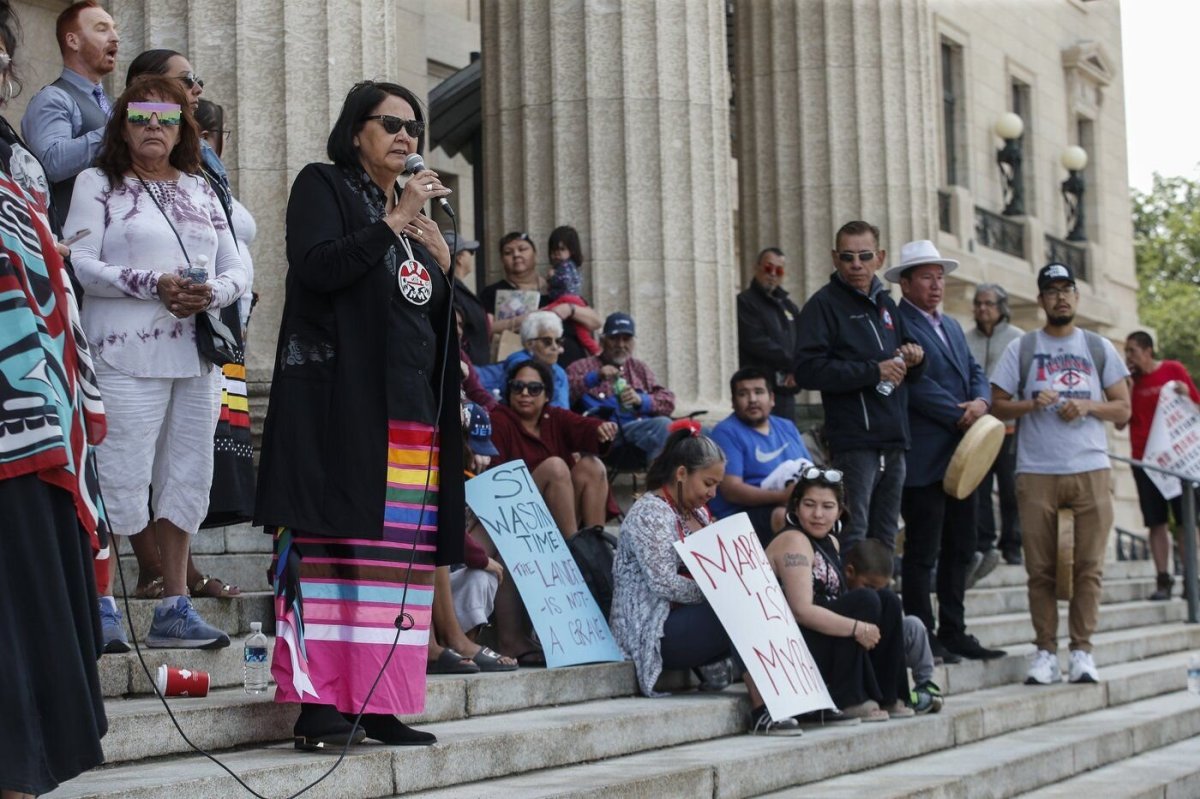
{"x":1174,"y":440}
{"x":567,"y":620}
{"x":728,"y":563}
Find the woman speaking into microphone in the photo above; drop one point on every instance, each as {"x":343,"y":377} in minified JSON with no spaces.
{"x":364,"y":415}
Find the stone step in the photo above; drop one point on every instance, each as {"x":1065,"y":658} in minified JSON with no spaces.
{"x":1014,"y":598}
{"x":1005,"y":575}
{"x":232,"y":615}
{"x":748,"y":765}
{"x":220,"y":540}
{"x":1172,"y":772}
{"x":228,"y":717}
{"x":246,"y":570}
{"x":1009,"y":628}
{"x":477,"y":748}
{"x":1027,"y":759}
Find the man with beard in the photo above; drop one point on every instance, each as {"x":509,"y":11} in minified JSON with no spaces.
{"x":1063,"y":383}
{"x":1149,"y":377}
{"x":756,"y":444}
{"x":642,"y":408}
{"x":65,"y":121}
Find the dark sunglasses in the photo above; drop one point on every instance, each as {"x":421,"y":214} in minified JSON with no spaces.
{"x":393,"y":125}
{"x":865,"y":256}
{"x":533,"y":389}
{"x":191,"y":80}
{"x":773,"y":270}
{"x":828,"y":475}
{"x":547,"y":341}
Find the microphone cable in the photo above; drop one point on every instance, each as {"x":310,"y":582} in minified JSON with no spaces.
{"x":404,"y":620}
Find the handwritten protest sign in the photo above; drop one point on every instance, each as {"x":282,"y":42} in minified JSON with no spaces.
{"x":567,"y":620}
{"x":728,"y":563}
{"x":1174,"y":440}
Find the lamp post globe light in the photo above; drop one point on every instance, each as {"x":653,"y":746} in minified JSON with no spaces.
{"x":1009,"y":127}
{"x":1074,"y":159}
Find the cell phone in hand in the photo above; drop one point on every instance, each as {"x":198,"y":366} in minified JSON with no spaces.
{"x":67,"y":242}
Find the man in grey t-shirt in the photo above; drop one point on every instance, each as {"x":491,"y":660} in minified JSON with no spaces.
{"x":1073,"y":382}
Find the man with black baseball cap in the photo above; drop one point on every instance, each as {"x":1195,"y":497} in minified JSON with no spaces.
{"x":1063,"y":383}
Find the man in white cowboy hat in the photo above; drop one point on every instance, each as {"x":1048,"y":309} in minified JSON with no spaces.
{"x":1063,"y":383}
{"x":939,"y":529}
{"x":855,"y":350}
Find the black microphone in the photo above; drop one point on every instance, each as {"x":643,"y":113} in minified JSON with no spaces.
{"x":414,"y":164}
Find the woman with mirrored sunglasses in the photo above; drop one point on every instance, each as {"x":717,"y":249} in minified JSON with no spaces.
{"x":156,"y":252}
{"x":363,"y":423}
{"x":855,"y":636}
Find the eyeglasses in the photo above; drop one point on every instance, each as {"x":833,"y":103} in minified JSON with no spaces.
{"x":547,"y":341}
{"x":533,"y":389}
{"x":865,"y":256}
{"x":142,"y":114}
{"x":828,"y":475}
{"x":191,"y":80}
{"x":393,"y":125}
{"x":1058,"y":294}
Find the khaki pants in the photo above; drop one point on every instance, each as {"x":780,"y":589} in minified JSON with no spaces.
{"x":1039,"y":496}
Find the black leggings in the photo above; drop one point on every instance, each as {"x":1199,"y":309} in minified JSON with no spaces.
{"x":693,"y":636}
{"x":851,"y":673}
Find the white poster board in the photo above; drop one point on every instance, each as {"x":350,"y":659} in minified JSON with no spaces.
{"x":1174,"y":440}
{"x":728,"y":563}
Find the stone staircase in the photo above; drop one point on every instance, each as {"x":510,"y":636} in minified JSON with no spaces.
{"x":584,"y":732}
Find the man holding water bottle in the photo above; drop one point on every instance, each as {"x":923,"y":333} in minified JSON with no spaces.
{"x":1063,"y":383}
{"x":855,"y":349}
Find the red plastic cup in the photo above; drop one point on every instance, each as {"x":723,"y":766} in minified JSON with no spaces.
{"x":181,"y":682}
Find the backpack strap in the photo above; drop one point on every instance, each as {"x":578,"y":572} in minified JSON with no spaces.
{"x":1025,"y":360}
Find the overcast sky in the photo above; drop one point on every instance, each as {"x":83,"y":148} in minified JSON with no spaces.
{"x":1162,"y":112}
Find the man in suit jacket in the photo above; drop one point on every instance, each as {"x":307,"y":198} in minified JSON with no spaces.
{"x":952,"y":396}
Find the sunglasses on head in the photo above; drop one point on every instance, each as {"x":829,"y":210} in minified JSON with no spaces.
{"x":393,"y":125}
{"x":864,"y":256}
{"x":548,"y":341}
{"x":533,"y":389}
{"x":191,"y":80}
{"x":816,"y":473}
{"x":141,"y":114}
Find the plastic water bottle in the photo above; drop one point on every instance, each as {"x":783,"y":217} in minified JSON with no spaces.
{"x":1194,"y":674}
{"x":619,"y":386}
{"x":257,"y":668}
{"x":886,"y":387}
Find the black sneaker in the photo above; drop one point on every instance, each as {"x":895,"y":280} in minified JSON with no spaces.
{"x":1013,"y":557}
{"x":968,"y":646}
{"x":942,"y":654}
{"x":1163,"y":584}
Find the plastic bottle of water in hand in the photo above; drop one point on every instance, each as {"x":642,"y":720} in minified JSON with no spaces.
{"x":886,"y":387}
{"x":1194,"y":674}
{"x":257,"y":668}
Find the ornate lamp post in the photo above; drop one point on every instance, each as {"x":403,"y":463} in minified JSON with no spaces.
{"x":1009,"y":127}
{"x":1074,"y":160}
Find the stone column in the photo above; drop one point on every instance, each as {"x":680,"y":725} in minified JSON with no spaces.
{"x":836,"y":120}
{"x":614,"y":118}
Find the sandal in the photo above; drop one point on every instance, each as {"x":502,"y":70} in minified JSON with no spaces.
{"x":151,"y":590}
{"x":450,"y":662}
{"x":223,"y":590}
{"x":489,"y":660}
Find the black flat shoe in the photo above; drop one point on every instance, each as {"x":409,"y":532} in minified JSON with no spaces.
{"x":393,"y":732}
{"x":968,"y":646}
{"x":940,"y":652}
{"x":322,"y":727}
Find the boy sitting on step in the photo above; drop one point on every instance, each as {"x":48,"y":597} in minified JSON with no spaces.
{"x":869,"y":565}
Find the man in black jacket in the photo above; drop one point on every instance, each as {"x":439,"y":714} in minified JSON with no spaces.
{"x":767,"y":332}
{"x":855,"y":350}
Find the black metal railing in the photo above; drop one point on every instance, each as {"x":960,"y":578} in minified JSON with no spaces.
{"x":944,"y":221}
{"x":1189,"y":531}
{"x":1131,"y":546}
{"x":998,"y":233}
{"x":1067,"y":253}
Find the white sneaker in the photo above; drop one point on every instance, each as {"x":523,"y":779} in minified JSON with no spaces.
{"x":1044,"y":669}
{"x":1083,"y":668}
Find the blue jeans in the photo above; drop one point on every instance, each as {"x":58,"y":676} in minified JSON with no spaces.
{"x":874,"y":479}
{"x":648,"y":435}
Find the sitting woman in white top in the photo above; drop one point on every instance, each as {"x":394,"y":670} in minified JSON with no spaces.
{"x":659,"y":615}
